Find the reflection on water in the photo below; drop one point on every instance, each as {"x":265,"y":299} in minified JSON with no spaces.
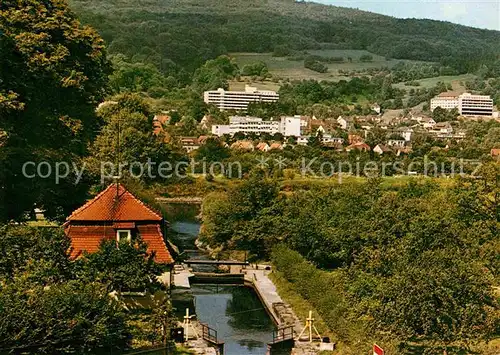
{"x":181,"y":212}
{"x":237,"y":315}
{"x":191,"y":229}
{"x":184,"y":224}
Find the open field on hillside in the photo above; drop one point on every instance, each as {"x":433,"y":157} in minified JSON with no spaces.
{"x":283,"y":68}
{"x":294,"y":69}
{"x":455,"y":81}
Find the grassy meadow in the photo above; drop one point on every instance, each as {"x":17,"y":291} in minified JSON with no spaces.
{"x":455,"y":80}
{"x":294,"y":69}
{"x":283,"y":68}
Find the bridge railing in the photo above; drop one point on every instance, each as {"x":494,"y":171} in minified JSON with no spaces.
{"x":282,"y":334}
{"x":215,"y":262}
{"x":209,"y":334}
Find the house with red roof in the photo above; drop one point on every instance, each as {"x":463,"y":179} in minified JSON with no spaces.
{"x":116,"y":214}
{"x":495,"y":153}
{"x":358,"y":146}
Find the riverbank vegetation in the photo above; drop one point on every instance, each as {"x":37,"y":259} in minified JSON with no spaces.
{"x":350,"y":250}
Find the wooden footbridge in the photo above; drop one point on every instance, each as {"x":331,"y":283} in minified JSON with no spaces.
{"x":190,"y":262}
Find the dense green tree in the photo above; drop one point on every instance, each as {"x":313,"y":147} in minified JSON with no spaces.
{"x":54,"y":73}
{"x":257,"y":69}
{"x":39,"y":253}
{"x":66,"y":318}
{"x":135,"y":77}
{"x":175,"y":117}
{"x":281,"y":51}
{"x":366,"y":58}
{"x":162,"y":320}
{"x":447,"y":299}
{"x":223,"y":218}
{"x":214,"y":74}
{"x":376,"y":136}
{"x":212,"y":151}
{"x":316,"y":65}
{"x":187,"y":126}
{"x":121,"y":267}
{"x":443,"y":115}
{"x":127,"y":138}
{"x":315,"y":140}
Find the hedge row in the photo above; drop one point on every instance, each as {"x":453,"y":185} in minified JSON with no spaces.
{"x":319,"y":287}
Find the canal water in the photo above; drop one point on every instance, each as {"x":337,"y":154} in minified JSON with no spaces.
{"x":235,"y":312}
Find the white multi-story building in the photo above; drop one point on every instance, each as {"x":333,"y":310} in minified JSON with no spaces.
{"x":288,"y":126}
{"x":475,"y":105}
{"x":220,"y":130}
{"x":238,"y":100}
{"x":467,"y":104}
{"x":445,"y":100}
{"x":252,"y":125}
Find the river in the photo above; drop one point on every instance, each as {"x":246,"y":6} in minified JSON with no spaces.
{"x":235,"y":312}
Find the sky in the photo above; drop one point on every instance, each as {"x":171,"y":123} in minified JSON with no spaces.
{"x":475,"y":13}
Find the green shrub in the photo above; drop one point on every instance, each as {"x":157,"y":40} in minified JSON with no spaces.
{"x":312,"y":63}
{"x":281,"y":51}
{"x":319,"y":287}
{"x":366,"y":58}
{"x":67,"y":318}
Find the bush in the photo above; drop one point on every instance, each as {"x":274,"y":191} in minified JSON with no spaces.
{"x":366,"y":58}
{"x":336,"y":60}
{"x":313,"y":64}
{"x":127,"y":267}
{"x":41,"y":253}
{"x":65,"y":318}
{"x":322,"y":289}
{"x":289,"y":174}
{"x":281,"y":51}
{"x":256,"y":69}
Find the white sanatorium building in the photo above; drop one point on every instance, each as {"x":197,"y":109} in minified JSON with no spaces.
{"x":467,"y":104}
{"x":238,"y":100}
{"x":288,"y":126}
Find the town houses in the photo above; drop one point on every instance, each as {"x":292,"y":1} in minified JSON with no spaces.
{"x":395,"y":132}
{"x":347,"y":134}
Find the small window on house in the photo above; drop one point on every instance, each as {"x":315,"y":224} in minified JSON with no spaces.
{"x":123,"y":234}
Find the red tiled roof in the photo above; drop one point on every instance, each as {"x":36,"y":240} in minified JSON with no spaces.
{"x":354,"y":138}
{"x":112,"y":209}
{"x":111,"y":205}
{"x":202,"y":139}
{"x":189,"y":140}
{"x":276,"y":146}
{"x":124,"y":225}
{"x":359,"y":146}
{"x":88,"y":238}
{"x":151,"y":234}
{"x":163,"y":119}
